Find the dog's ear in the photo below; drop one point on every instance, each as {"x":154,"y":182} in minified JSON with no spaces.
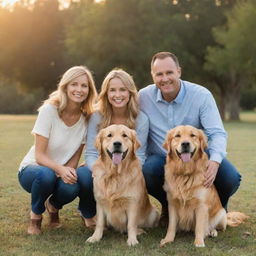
{"x":203,"y":140}
{"x":98,"y":142}
{"x":136,"y":143}
{"x":167,"y":142}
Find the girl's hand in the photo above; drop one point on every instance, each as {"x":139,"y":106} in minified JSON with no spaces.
{"x":68,"y":174}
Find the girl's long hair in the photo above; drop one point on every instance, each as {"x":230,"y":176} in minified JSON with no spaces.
{"x":59,"y":97}
{"x":105,"y":107}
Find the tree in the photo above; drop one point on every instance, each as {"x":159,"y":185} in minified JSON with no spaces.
{"x":234,"y":60}
{"x":31,"y":42}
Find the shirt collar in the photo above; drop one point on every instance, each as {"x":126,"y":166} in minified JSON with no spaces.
{"x":179,"y":97}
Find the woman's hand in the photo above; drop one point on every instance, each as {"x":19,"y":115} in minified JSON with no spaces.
{"x":67,"y":174}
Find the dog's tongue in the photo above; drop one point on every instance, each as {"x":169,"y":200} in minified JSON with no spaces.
{"x":117,"y":158}
{"x":185,"y":157}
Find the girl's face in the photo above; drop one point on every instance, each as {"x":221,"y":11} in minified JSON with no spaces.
{"x":78,"y":89}
{"x":118,"y":94}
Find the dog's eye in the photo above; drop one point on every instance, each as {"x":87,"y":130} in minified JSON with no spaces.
{"x":177,"y":136}
{"x":192,"y":135}
{"x":124,"y":135}
{"x":109,"y":135}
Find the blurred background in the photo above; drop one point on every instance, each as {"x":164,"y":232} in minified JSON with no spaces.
{"x":213,"y":39}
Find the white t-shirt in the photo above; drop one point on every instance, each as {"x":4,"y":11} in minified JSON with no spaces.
{"x":64,"y":140}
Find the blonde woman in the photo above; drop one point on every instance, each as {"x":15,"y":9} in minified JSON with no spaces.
{"x":118,"y":104}
{"x":48,"y":171}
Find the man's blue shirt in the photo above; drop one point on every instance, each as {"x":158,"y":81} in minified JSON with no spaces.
{"x":194,"y":105}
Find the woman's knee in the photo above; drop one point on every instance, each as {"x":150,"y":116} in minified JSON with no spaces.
{"x":84,"y":177}
{"x":153,"y":166}
{"x":46,"y":176}
{"x":68,"y":189}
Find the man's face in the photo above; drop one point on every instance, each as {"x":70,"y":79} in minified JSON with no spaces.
{"x":166,"y":74}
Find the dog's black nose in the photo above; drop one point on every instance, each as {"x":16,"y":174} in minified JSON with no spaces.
{"x":185,"y":146}
{"x":117,"y":144}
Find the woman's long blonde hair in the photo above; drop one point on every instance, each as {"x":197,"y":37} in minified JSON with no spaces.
{"x":105,"y":107}
{"x":59,"y":97}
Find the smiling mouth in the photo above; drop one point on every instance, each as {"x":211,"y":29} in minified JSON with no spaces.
{"x":185,"y":156}
{"x":117,"y":156}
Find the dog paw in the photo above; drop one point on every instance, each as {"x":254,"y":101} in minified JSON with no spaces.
{"x":164,"y":242}
{"x":213,"y":233}
{"x":140,"y":231}
{"x":92,"y":239}
{"x":132,"y":241}
{"x":199,"y":244}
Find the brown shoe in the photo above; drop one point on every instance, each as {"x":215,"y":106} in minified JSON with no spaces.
{"x":54,"y":220}
{"x":90,"y":222}
{"x":34,"y":227}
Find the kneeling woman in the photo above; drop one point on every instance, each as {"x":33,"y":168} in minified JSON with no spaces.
{"x":48,"y":171}
{"x":118,"y":104}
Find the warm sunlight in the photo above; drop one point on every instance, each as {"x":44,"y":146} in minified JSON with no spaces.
{"x":65,"y":3}
{"x":5,"y":3}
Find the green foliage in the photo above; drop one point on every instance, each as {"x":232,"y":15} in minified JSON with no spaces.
{"x":127,"y":33}
{"x":248,"y":99}
{"x":234,"y":59}
{"x":31,"y":44}
{"x":15,"y":101}
{"x":40,"y":41}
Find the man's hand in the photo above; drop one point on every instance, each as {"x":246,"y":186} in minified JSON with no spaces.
{"x":210,"y":174}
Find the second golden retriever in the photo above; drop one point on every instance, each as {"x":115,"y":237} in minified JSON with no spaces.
{"x":119,"y":187}
{"x":192,"y":206}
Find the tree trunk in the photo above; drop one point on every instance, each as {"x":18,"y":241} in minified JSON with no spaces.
{"x":222,"y":107}
{"x":234,"y":109}
{"x":234,"y":96}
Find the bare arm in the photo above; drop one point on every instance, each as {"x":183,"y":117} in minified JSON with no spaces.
{"x":67,"y":174}
{"x":73,"y":162}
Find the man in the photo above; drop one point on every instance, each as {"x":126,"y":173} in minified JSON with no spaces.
{"x":171,"y":102}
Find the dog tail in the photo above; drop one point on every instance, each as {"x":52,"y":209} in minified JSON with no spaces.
{"x":236,"y":218}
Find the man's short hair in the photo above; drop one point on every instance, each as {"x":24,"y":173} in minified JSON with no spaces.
{"x":163,"y":55}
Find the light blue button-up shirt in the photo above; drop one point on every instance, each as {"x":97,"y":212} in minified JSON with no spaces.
{"x":194,"y":105}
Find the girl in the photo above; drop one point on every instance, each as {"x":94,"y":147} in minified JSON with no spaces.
{"x":118,"y":104}
{"x":48,"y":171}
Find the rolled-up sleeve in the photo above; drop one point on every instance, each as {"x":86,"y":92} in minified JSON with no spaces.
{"x":213,"y":128}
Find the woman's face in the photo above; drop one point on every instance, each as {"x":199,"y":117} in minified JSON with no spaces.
{"x":118,"y":94}
{"x":78,"y":89}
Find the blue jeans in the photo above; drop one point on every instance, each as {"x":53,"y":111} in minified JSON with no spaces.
{"x":42,"y":182}
{"x":226,"y":182}
{"x":87,"y":203}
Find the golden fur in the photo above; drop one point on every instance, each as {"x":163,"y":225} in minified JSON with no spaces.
{"x":119,"y":187}
{"x":191,"y":205}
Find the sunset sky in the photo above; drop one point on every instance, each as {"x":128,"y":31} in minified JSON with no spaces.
{"x":6,"y":3}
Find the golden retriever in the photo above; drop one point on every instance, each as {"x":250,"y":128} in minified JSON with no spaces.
{"x":192,"y":206}
{"x":119,"y":186}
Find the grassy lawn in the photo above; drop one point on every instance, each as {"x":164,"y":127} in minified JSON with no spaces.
{"x":15,"y":140}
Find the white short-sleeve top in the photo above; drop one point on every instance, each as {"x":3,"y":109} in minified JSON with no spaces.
{"x":64,"y":140}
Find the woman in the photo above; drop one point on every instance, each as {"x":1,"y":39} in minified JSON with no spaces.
{"x":48,"y":171}
{"x":118,"y":104}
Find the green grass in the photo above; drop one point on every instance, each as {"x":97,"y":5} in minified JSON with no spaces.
{"x":15,"y":140}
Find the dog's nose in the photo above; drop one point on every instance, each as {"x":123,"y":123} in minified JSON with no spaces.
{"x":185,"y":145}
{"x":117,"y":144}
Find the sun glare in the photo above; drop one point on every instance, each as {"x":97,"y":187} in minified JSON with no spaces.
{"x":65,"y":3}
{"x":5,"y":3}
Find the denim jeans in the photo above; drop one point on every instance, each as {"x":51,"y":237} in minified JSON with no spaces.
{"x":226,"y":182}
{"x":42,"y":182}
{"x":87,"y":203}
